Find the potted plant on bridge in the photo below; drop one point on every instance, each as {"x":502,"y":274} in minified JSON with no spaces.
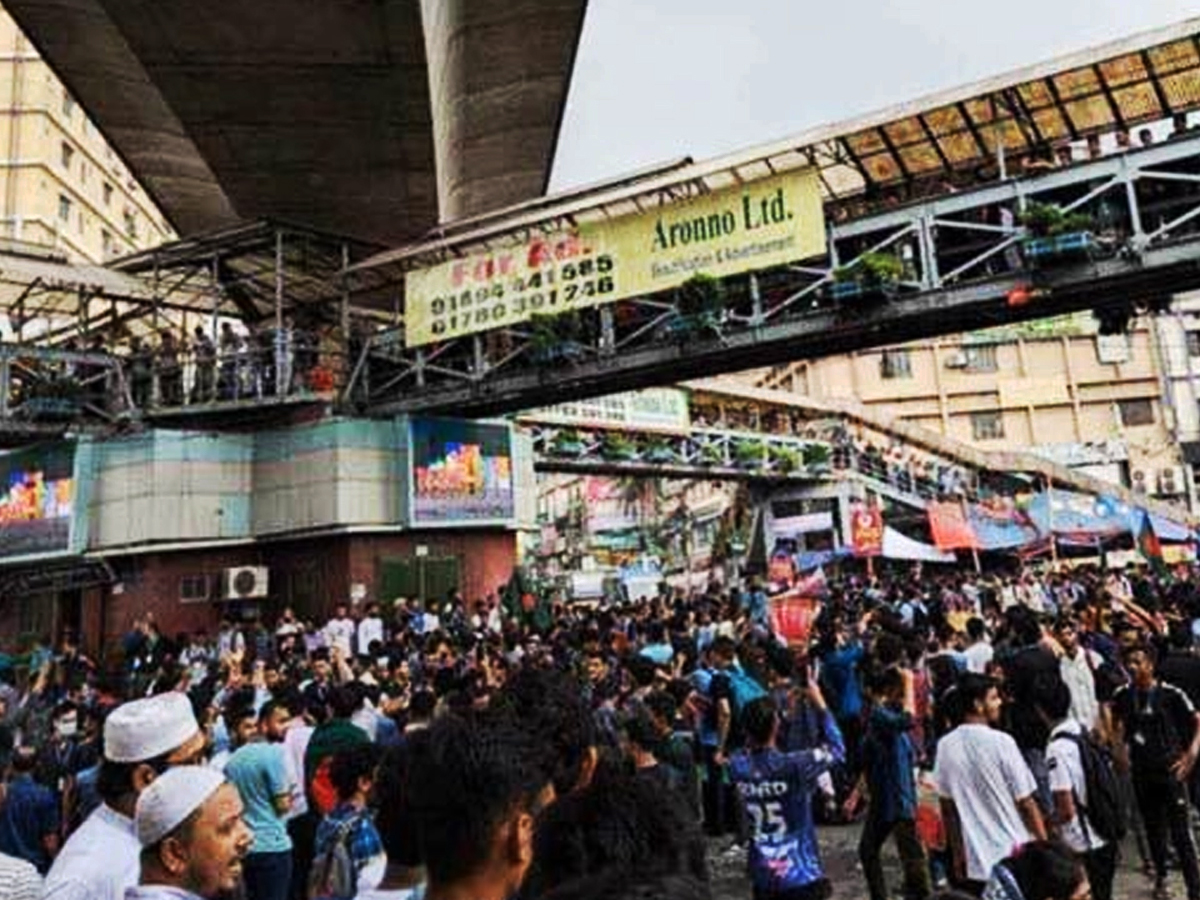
{"x":785,"y":460}
{"x":554,"y":338}
{"x":699,"y":308}
{"x":568,"y":442}
{"x":749,"y":454}
{"x":1054,"y":234}
{"x":873,"y":276}
{"x":618,"y":447}
{"x":659,"y":452}
{"x":816,"y":457}
{"x":710,"y":454}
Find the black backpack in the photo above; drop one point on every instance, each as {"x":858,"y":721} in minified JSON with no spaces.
{"x":1105,"y":812}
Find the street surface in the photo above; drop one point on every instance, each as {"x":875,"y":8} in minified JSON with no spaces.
{"x":839,"y":850}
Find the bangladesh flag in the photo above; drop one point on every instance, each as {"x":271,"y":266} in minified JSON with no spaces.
{"x":1148,"y":544}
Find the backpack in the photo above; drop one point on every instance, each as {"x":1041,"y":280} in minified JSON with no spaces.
{"x":1105,"y":811}
{"x":334,"y":874}
{"x":744,"y":688}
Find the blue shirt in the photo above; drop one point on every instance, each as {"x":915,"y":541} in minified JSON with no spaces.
{"x":30,"y":813}
{"x":776,"y":788}
{"x":890,"y":758}
{"x":659,"y":654}
{"x":840,"y":670}
{"x":260,"y":775}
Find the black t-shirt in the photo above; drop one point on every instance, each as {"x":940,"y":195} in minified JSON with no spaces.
{"x":1159,"y":725}
{"x":1183,"y":671}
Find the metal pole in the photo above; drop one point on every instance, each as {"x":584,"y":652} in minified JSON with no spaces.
{"x":1050,"y":521}
{"x":756,"y":310}
{"x":345,"y":310}
{"x":974,"y":547}
{"x":279,"y":385}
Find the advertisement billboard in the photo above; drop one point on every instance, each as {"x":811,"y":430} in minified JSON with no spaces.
{"x":462,"y":472}
{"x":756,"y":225}
{"x":37,"y":500}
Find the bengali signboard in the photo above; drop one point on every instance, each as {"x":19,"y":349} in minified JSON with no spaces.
{"x":750,"y":226}
{"x":653,"y":409}
{"x":37,"y":500}
{"x":462,"y":472}
{"x":866,"y":530}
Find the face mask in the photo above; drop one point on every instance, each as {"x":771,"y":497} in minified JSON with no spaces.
{"x":67,"y":727}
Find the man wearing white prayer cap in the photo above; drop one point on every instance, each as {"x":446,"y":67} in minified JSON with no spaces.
{"x":193,"y":836}
{"x":142,"y":739}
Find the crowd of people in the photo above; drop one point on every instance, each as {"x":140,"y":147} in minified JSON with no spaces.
{"x":1005,"y":734}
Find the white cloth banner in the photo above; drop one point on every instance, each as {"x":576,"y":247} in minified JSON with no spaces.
{"x":897,"y":546}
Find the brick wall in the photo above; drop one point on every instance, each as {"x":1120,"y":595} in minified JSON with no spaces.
{"x":312,"y":575}
{"x":485,"y":558}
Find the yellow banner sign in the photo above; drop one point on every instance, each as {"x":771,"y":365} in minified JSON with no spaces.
{"x":753,"y":226}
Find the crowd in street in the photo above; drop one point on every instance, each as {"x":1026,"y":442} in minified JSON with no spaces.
{"x":1012,"y":736}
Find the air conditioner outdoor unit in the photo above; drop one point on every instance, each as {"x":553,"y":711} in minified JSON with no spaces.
{"x":956,"y":360}
{"x":244,"y":583}
{"x":1170,"y":482}
{"x":1138,"y":481}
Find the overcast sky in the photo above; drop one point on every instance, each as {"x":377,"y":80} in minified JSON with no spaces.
{"x":660,"y":79}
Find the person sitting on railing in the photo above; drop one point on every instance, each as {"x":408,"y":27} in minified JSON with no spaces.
{"x":231,"y":348}
{"x":170,"y":373}
{"x":264,"y":359}
{"x":94,"y":376}
{"x":206,"y":366}
{"x":138,"y":370}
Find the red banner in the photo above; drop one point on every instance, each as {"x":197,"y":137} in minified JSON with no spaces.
{"x":950,"y":528}
{"x":866,"y":530}
{"x":792,"y":617}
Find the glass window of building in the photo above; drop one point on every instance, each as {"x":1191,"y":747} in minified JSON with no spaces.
{"x":981,"y":358}
{"x":64,"y":208}
{"x":1135,"y":412}
{"x":67,"y":155}
{"x":988,"y":425}
{"x":895,"y":364}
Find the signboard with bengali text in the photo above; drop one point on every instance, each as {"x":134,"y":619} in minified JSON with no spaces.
{"x":653,"y":409}
{"x":745,"y":227}
{"x":37,"y":500}
{"x":462,"y":472}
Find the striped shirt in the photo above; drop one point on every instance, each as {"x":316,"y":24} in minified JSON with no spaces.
{"x":19,"y":880}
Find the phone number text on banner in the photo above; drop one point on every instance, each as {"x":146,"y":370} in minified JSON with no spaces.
{"x":753,"y":226}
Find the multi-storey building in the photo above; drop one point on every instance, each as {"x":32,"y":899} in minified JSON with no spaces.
{"x":62,"y":185}
{"x":1057,"y":388}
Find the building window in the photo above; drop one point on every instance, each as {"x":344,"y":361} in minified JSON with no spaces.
{"x":193,"y":588}
{"x":981,"y":358}
{"x":107,"y":194}
{"x":1135,"y":412}
{"x":987,"y":426}
{"x":895,"y":364}
{"x":1193,"y":343}
{"x":64,"y":208}
{"x":106,"y":243}
{"x":67,"y":155}
{"x":68,"y":106}
{"x":131,"y":225}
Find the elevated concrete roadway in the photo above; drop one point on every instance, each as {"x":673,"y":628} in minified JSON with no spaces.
{"x":374,"y":119}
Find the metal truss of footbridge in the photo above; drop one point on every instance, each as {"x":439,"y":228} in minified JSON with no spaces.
{"x":968,"y":264}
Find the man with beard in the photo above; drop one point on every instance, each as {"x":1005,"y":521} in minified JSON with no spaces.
{"x":142,"y":740}
{"x":259,"y":771}
{"x":193,"y":837}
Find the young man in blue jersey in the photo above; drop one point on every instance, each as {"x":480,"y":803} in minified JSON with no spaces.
{"x":775,"y":789}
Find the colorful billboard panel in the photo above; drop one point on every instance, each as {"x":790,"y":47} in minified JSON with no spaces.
{"x":462,"y":472}
{"x":37,"y":500}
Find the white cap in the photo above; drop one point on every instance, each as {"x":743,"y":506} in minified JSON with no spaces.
{"x":144,"y":729}
{"x":172,"y":797}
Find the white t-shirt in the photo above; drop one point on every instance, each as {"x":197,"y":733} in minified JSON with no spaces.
{"x":981,"y":770}
{"x":1066,"y":774}
{"x":340,"y":633}
{"x":1077,"y":674}
{"x":978,"y":656}
{"x":412,"y":893}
